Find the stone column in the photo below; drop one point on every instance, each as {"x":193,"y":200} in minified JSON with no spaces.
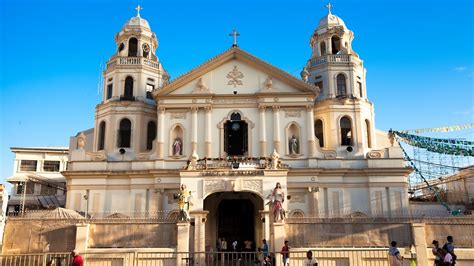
{"x":183,"y":240}
{"x":314,"y":202}
{"x":82,"y":237}
{"x":263,"y":133}
{"x":200,"y":218}
{"x":310,"y":127}
{"x":265,"y":216}
{"x":328,"y":46}
{"x":276,"y":128}
{"x":161,"y":133}
{"x":208,"y":137}
{"x":318,"y":49}
{"x":278,"y":240}
{"x":419,"y":240}
{"x":194,"y":129}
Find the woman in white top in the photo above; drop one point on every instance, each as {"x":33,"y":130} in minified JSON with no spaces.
{"x":310,"y":261}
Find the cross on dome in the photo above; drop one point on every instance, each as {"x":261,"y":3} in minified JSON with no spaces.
{"x":235,"y":34}
{"x":138,"y":8}
{"x":329,"y":6}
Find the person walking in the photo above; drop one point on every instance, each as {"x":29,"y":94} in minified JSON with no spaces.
{"x":285,"y":253}
{"x":76,"y":259}
{"x":265,"y":248}
{"x":449,"y":247}
{"x":395,"y":258}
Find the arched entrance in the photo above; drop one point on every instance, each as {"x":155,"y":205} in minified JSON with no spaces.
{"x":234,"y":216}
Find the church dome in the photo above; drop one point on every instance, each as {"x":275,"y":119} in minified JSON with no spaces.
{"x":330,"y":21}
{"x":137,"y":21}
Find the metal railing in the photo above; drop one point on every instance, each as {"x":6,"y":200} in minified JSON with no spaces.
{"x":325,"y":257}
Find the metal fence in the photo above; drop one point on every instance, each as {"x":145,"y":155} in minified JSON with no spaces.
{"x":325,"y":257}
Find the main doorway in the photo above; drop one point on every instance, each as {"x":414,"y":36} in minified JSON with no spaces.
{"x":236,"y":136}
{"x":233,"y":216}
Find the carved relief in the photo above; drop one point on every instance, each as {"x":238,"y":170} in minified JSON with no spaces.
{"x":292,"y":113}
{"x":235,"y":77}
{"x":268,"y":85}
{"x":375,"y":154}
{"x":211,"y":186}
{"x":234,"y":101}
{"x":178,"y":115}
{"x":201,"y":87}
{"x":98,"y":156}
{"x":329,"y":154}
{"x":253,"y":185}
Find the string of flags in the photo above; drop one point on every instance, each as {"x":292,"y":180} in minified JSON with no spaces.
{"x":438,"y":129}
{"x":438,"y":145}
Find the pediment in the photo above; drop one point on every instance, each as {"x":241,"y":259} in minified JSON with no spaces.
{"x":239,"y":71}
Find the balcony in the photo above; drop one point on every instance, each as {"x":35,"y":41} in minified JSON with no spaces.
{"x":335,"y":58}
{"x":132,"y":61}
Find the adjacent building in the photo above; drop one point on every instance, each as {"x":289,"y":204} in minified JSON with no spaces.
{"x":37,"y":180}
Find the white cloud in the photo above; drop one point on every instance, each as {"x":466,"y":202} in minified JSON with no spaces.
{"x":460,"y":68}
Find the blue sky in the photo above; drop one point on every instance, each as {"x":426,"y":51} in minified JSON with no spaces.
{"x":418,"y":55}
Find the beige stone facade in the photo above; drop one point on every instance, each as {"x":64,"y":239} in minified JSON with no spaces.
{"x":215,"y":128}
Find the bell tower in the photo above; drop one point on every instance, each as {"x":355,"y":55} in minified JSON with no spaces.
{"x":344,"y":117}
{"x":125,"y":121}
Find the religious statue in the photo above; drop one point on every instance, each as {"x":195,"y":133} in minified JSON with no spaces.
{"x":276,"y":202}
{"x":177,"y":147}
{"x":305,"y":74}
{"x":294,"y":147}
{"x":81,"y":141}
{"x":275,"y":160}
{"x":183,"y":197}
{"x":391,"y":137}
{"x":192,"y":164}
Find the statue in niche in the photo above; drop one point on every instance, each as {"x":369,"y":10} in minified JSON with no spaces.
{"x":81,"y":141}
{"x":276,"y":202}
{"x":177,"y":147}
{"x":183,"y":196}
{"x":294,"y":145}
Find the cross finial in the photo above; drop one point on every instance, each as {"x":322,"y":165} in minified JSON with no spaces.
{"x":235,"y":34}
{"x":329,"y":6}
{"x":138,"y":8}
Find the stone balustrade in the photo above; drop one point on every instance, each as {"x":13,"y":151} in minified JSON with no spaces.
{"x":132,"y":61}
{"x":334,"y":58}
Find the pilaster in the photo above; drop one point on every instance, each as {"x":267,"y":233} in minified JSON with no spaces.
{"x":419,"y":240}
{"x":276,"y":128}
{"x":263,"y":133}
{"x":161,"y":133}
{"x":82,"y":237}
{"x":194,"y":111}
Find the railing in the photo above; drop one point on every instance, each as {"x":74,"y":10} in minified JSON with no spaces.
{"x":132,"y":61}
{"x":349,"y":257}
{"x":335,"y":58}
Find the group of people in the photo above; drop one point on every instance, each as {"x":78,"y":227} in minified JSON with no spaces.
{"x":443,"y":256}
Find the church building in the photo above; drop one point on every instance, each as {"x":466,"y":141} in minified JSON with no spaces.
{"x":230,"y":129}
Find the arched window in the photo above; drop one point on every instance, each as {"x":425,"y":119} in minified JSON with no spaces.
{"x":318,"y":132}
{"x":121,"y":47}
{"x":346,"y":131}
{"x":125,"y":132}
{"x":335,"y":44}
{"x":367,"y":133}
{"x":322,"y":46}
{"x":133,"y":47}
{"x":341,"y":85}
{"x":150,"y":135}
{"x":101,"y":142}
{"x":128,"y":89}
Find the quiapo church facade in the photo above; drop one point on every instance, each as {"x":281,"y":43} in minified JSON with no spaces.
{"x":229,"y":130}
